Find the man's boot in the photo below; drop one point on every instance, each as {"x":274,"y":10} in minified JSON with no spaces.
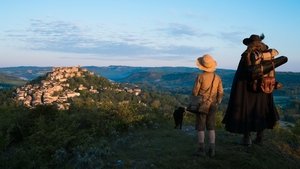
{"x":259,"y":137}
{"x":246,"y":140}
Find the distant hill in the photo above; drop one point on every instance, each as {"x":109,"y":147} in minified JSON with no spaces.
{"x":110,"y":72}
{"x":7,"y":81}
{"x":26,"y":72}
{"x":121,"y":72}
{"x":177,"y":81}
{"x":170,"y":79}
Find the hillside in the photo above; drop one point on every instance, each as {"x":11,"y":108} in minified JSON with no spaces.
{"x":166,"y":148}
{"x":120,"y":129}
{"x":45,"y":136}
{"x":88,"y":138}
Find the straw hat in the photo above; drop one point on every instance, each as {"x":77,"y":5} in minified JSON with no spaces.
{"x":206,"y":63}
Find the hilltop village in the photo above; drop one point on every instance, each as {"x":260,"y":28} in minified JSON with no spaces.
{"x":55,"y":89}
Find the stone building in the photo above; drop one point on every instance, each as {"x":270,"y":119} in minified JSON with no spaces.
{"x":55,"y":89}
{"x":52,"y":90}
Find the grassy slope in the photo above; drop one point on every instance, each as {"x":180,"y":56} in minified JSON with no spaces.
{"x":167,"y":148}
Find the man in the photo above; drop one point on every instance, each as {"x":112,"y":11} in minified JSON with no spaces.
{"x":250,"y":109}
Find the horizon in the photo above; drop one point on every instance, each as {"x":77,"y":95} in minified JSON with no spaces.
{"x":133,"y":67}
{"x":129,"y":33}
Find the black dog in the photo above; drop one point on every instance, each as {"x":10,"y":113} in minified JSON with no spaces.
{"x":178,"y":117}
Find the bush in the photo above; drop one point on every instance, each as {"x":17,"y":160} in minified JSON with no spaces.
{"x":288,"y":141}
{"x":296,"y":128}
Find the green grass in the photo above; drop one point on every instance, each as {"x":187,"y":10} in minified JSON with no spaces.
{"x":167,"y":148}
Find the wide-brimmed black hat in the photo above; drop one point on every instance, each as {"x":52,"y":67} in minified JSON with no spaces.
{"x":253,"y":38}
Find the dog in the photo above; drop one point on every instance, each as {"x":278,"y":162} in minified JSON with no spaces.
{"x":178,"y":117}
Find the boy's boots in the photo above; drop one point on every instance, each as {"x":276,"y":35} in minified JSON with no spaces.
{"x":200,"y":151}
{"x":212,"y":150}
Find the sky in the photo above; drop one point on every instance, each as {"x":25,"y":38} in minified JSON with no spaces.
{"x":144,"y":32}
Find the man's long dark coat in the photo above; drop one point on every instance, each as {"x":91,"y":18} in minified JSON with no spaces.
{"x":248,"y":110}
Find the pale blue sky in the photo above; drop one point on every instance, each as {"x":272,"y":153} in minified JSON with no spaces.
{"x":143,"y":32}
